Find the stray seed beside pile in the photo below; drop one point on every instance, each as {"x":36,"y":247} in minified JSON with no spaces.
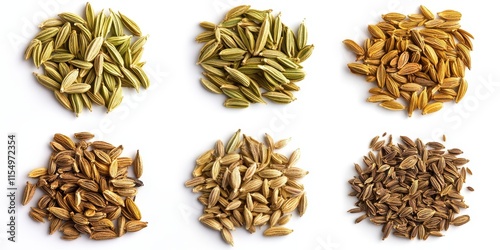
{"x":411,"y":189}
{"x":87,"y":60}
{"x":86,"y":189}
{"x":419,"y":57}
{"x":252,"y":50}
{"x":246,"y":183}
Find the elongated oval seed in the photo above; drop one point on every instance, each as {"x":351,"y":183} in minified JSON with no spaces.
{"x":432,"y":107}
{"x":28,"y":193}
{"x":47,"y":33}
{"x":235,"y":178}
{"x":262,"y":37}
{"x":141,"y":75}
{"x":133,"y":209}
{"x":277,"y":231}
{"x":130,"y":24}
{"x":113,"y":198}
{"x":60,"y":213}
{"x":425,"y":213}
{"x":62,"y":35}
{"x":238,"y":76}
{"x":278,"y":97}
{"x":354,"y":47}
{"x":47,"y":82}
{"x":270,"y":173}
{"x":460,"y":220}
{"x":392,"y":105}
{"x":138,"y":165}
{"x":93,"y":48}
{"x":29,"y":50}
{"x":212,"y":223}
{"x":236,"y":103}
{"x":69,"y":79}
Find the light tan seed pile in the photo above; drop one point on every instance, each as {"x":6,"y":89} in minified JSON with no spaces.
{"x":247,"y":183}
{"x":87,"y":60}
{"x":419,"y":58}
{"x":86,"y":189}
{"x":410,"y":188}
{"x":251,"y":54}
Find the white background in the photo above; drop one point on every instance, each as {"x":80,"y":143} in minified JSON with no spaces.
{"x":176,"y":120}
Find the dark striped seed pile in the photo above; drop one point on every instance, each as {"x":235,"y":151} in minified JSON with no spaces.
{"x":412,"y":189}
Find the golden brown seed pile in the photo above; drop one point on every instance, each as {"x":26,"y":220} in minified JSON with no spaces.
{"x":418,"y":58}
{"x":247,"y":183}
{"x":86,"y":189}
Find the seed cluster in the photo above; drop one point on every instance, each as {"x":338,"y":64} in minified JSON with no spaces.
{"x":252,"y":50}
{"x":412,"y":189}
{"x":419,"y":57}
{"x":248,"y":184}
{"x":86,"y":189}
{"x":88,"y":60}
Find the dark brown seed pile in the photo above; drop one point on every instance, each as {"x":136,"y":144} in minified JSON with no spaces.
{"x":411,"y":188}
